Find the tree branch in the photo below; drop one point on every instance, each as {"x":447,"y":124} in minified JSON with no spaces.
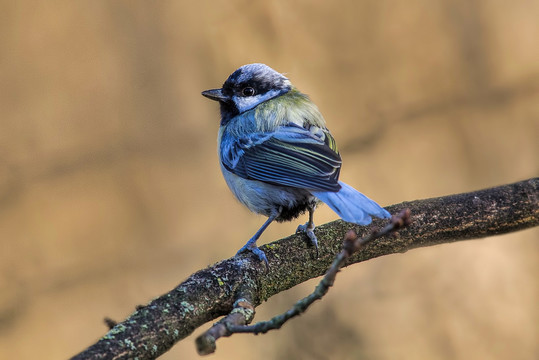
{"x":152,"y":329}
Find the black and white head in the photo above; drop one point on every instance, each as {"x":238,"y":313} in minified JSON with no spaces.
{"x":247,"y":87}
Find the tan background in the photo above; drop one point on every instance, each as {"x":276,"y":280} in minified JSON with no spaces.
{"x":110,"y":191}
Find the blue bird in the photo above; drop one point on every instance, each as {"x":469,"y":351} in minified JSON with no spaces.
{"x":278,"y":157}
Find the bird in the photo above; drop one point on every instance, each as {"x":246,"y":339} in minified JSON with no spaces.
{"x":278,"y":157}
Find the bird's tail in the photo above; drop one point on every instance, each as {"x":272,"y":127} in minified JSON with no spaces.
{"x":351,"y":205}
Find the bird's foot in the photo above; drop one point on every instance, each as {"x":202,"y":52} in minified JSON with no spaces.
{"x":308,"y":229}
{"x":255,"y":250}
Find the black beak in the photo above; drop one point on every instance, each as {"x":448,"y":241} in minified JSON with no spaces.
{"x":215,"y":94}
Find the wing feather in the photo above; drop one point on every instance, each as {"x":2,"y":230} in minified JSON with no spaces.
{"x":291,"y":156}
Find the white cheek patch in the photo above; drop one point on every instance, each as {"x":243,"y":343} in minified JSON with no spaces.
{"x":244,"y":103}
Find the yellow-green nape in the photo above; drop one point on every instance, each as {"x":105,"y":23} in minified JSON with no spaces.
{"x":291,"y":107}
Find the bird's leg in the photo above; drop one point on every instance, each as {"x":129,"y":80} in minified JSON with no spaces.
{"x":308,"y":228}
{"x":251,"y":244}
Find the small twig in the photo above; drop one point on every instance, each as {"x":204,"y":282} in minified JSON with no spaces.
{"x":243,"y":311}
{"x":109,"y":322}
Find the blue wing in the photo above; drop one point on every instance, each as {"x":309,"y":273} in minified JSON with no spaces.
{"x":290,"y":156}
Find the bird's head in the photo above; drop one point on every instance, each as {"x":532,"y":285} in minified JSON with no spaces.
{"x":247,"y":87}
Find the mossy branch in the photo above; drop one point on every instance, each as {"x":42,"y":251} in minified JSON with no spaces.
{"x":210,"y":293}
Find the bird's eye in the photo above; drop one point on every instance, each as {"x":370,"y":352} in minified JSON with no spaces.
{"x":248,"y":91}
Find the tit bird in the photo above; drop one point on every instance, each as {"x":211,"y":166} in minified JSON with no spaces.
{"x":278,"y":157}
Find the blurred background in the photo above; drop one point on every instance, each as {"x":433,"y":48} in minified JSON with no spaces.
{"x":111,"y":193}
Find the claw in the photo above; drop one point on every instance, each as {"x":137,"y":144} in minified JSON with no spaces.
{"x":251,"y":244}
{"x":308,"y":229}
{"x":255,"y":250}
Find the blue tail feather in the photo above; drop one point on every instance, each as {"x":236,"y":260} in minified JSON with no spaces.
{"x":351,"y":205}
